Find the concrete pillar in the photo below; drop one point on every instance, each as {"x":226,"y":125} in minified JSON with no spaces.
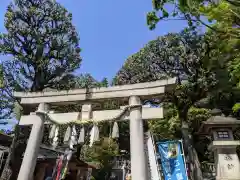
{"x":86,"y":111}
{"x":33,"y":145}
{"x":138,"y":158}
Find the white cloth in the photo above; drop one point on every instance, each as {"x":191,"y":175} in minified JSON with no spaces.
{"x":115,"y":130}
{"x":52,"y":131}
{"x":67,"y":135}
{"x":55,"y":139}
{"x":74,"y":135}
{"x":81,"y":136}
{"x":94,"y":135}
{"x":73,"y":138}
{"x":69,"y":154}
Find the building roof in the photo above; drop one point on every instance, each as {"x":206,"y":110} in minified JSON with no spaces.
{"x":45,"y":153}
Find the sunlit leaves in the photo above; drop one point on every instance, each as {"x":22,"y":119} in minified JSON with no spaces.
{"x":236,"y":107}
{"x":152,"y":20}
{"x":101,"y":155}
{"x":225,"y":12}
{"x":183,"y":55}
{"x":43,"y":47}
{"x":170,"y":126}
{"x":235,"y":70}
{"x":41,"y":38}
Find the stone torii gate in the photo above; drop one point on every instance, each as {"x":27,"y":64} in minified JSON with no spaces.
{"x":130,"y":95}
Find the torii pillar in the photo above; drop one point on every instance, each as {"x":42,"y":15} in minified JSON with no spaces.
{"x":33,"y":145}
{"x":135,"y":94}
{"x":138,"y":158}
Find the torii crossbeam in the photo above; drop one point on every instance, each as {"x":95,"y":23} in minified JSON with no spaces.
{"x":131,"y":96}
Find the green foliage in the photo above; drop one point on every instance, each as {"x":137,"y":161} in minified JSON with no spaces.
{"x":203,"y":65}
{"x":185,"y":56}
{"x":196,"y":116}
{"x":193,"y":59}
{"x":236,"y":107}
{"x":104,"y":83}
{"x":223,"y":18}
{"x":170,"y":126}
{"x":225,"y":13}
{"x":101,"y":154}
{"x":44,"y":46}
{"x":43,"y":42}
{"x":87,"y":81}
{"x":227,"y":34}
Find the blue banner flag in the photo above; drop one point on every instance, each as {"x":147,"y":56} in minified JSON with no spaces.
{"x":172,"y":160}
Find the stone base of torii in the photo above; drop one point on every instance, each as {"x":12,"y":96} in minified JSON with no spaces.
{"x":133,"y":94}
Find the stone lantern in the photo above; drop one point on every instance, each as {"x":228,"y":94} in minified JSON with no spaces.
{"x":223,"y":145}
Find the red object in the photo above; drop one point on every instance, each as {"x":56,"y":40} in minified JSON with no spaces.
{"x":59,"y":169}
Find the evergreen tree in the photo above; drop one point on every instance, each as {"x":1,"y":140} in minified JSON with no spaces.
{"x":187,"y":56}
{"x":44,"y":48}
{"x":43,"y":42}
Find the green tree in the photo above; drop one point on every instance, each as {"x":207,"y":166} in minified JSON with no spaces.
{"x":170,"y":128}
{"x":6,"y":95}
{"x":101,"y":154}
{"x":224,"y":58}
{"x":44,"y":49}
{"x":222,"y":19}
{"x":227,"y":35}
{"x":87,"y":81}
{"x":43,"y":44}
{"x":186,"y":56}
{"x":42,"y":41}
{"x":224,"y":12}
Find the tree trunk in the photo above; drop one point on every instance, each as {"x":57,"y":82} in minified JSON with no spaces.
{"x":195,"y":166}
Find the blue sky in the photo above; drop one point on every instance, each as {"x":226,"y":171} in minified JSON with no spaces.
{"x":110,"y":31}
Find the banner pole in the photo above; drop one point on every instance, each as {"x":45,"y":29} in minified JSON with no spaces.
{"x":185,"y":164}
